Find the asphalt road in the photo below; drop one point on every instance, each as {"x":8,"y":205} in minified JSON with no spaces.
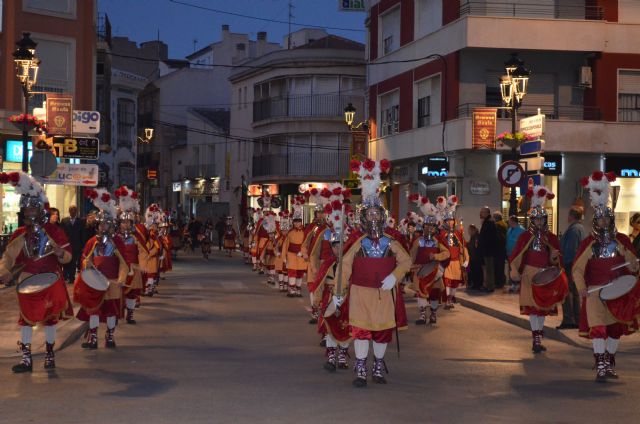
{"x":216,"y":346}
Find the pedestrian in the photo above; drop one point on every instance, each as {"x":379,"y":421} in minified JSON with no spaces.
{"x":501,"y":250}
{"x":635,"y":232}
{"x":221,"y":225}
{"x":73,"y":227}
{"x":601,"y":258}
{"x":514,"y":231}
{"x":54,"y":216}
{"x":569,"y":244}
{"x":90,"y":226}
{"x":487,"y":242}
{"x":475,"y":259}
{"x":535,"y":251}
{"x":28,"y":250}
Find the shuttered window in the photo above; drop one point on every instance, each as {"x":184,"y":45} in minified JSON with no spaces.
{"x":629,"y":96}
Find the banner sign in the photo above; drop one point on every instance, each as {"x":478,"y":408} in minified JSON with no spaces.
{"x":75,"y":175}
{"x":59,"y":114}
{"x":484,"y":128}
{"x":358,"y":143}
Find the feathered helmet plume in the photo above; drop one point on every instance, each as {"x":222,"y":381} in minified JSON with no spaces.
{"x":338,"y":196}
{"x":368,"y":172}
{"x":539,"y":196}
{"x":269,"y":222}
{"x":429,"y":211}
{"x":128,"y":202}
{"x":153,"y":215}
{"x":104,"y":201}
{"x":296,"y":204}
{"x":599,"y":186}
{"x":31,"y":192}
{"x":285,"y":220}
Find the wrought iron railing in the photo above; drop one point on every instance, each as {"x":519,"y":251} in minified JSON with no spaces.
{"x":559,"y":10}
{"x":575,"y":113}
{"x":307,"y":105}
{"x":311,"y":163}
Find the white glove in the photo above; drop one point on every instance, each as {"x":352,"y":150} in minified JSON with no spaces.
{"x":337,"y":300}
{"x":389,"y":282}
{"x":465,"y":264}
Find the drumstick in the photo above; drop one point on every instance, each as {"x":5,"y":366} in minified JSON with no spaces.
{"x":597,"y":288}
{"x":53,"y":251}
{"x":623,"y":265}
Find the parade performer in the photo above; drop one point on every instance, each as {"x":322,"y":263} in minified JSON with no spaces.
{"x":253,"y":245}
{"x":165,"y":262}
{"x":294,"y":260}
{"x":268,"y":256}
{"x":152,"y":218}
{"x":247,"y":228}
{"x":606,"y":256}
{"x":536,"y":250}
{"x":371,"y":269}
{"x":103,"y":253}
{"x":455,"y":242}
{"x":427,"y":255}
{"x":281,"y":269}
{"x":135,"y":250}
{"x":33,"y":257}
{"x":230,"y":236}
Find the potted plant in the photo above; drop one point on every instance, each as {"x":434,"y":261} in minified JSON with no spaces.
{"x":512,"y":140}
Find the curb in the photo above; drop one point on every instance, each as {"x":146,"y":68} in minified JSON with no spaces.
{"x":549,"y":332}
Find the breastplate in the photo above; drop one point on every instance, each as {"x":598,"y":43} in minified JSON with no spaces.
{"x":427,"y":242}
{"x":105,"y":248}
{"x":452,"y":240}
{"x":605,"y":250}
{"x":372,"y":249}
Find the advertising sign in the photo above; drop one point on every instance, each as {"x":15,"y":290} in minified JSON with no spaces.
{"x":351,"y":5}
{"x":484,"y":128}
{"x":86,"y":122}
{"x":75,"y":175}
{"x":75,"y":148}
{"x":13,"y":151}
{"x":59,"y":114}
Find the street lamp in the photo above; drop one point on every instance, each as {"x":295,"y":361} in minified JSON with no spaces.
{"x":513,"y":88}
{"x":349,"y":117}
{"x":27,"y":65}
{"x":148,"y":135}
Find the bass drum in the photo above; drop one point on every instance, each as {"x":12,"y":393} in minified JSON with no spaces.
{"x":549,"y":286}
{"x":90,"y":288}
{"x":428,"y":274}
{"x":622,"y":298}
{"x":41,"y":298}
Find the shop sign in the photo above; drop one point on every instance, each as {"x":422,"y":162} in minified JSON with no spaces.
{"x":152,"y":174}
{"x":351,"y":5}
{"x":59,"y":114}
{"x":13,"y":151}
{"x":533,"y":125}
{"x":256,"y":189}
{"x":484,"y":123}
{"x":177,"y":186}
{"x":624,"y":167}
{"x":86,"y":121}
{"x":437,"y":166}
{"x":479,"y":187}
{"x":74,"y":175}
{"x":552,"y":165}
{"x":87,"y":148}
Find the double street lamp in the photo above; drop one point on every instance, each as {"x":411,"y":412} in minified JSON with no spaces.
{"x":513,"y":88}
{"x":27,"y":65}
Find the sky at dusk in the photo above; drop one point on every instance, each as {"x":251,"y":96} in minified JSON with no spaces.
{"x":179,"y":24}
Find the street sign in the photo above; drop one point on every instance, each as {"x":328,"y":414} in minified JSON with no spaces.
{"x":74,"y":175}
{"x":510,"y":173}
{"x":43,"y":163}
{"x":533,"y":164}
{"x":533,"y":125}
{"x":532,"y":147}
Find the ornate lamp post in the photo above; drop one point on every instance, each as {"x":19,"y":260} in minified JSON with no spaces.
{"x":513,"y":88}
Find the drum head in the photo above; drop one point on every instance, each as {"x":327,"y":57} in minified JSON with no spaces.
{"x":619,"y":287}
{"x":36,"y":283}
{"x":427,"y":269}
{"x":95,"y":279}
{"x":546,"y":276}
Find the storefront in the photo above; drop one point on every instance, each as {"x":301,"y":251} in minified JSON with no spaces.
{"x":627,"y":169}
{"x":200,"y":198}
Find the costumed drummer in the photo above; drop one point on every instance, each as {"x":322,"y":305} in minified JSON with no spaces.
{"x":230,"y":236}
{"x":454,"y":240}
{"x":104,"y":253}
{"x":372,"y":267}
{"x":37,"y":250}
{"x":135,"y":250}
{"x":536,"y":250}
{"x":293,"y":259}
{"x":153,"y":216}
{"x":427,"y":253}
{"x":606,"y":256}
{"x":281,"y":269}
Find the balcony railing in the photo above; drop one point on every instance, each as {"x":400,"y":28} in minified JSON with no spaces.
{"x":304,"y":106}
{"x":319,"y":163}
{"x":200,"y":171}
{"x":572,"y":113}
{"x":531,"y":10}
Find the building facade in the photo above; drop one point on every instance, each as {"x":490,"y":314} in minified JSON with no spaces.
{"x":432,"y":62}
{"x":289,"y":131}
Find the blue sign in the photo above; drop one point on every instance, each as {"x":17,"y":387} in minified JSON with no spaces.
{"x":13,"y":151}
{"x":532,"y":147}
{"x":552,"y":165}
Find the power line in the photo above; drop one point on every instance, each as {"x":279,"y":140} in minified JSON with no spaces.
{"x":241,"y":15}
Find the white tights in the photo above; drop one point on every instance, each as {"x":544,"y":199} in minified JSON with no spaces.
{"x":537,"y":322}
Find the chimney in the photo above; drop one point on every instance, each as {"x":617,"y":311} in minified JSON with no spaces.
{"x":225,"y":31}
{"x":261,"y":43}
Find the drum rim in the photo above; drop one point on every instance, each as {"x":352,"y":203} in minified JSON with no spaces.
{"x":551,"y":268}
{"x":98,"y":272}
{"x":431,"y":263}
{"x":604,"y":289}
{"x":57,"y":275}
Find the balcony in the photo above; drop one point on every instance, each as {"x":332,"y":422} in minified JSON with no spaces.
{"x":532,"y":10}
{"x":200,"y":171}
{"x":305,"y":106}
{"x":567,"y":113}
{"x":306,"y":165}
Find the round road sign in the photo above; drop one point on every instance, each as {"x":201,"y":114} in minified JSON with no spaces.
{"x":510,"y":173}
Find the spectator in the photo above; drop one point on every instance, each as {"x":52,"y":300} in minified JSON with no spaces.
{"x":487,"y":242}
{"x":73,"y":227}
{"x":501,"y":250}
{"x":220,"y":227}
{"x":635,"y":232}
{"x":90,"y":225}
{"x":475,"y":261}
{"x":54,"y":216}
{"x":514,"y":231}
{"x":569,"y":247}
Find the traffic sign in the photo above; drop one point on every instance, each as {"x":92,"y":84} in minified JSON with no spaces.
{"x":533,"y":164}
{"x":510,"y":173}
{"x":532,"y":147}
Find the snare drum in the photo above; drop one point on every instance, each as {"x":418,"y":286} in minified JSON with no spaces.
{"x":40,"y":298}
{"x":90,"y":289}
{"x":428,"y":274}
{"x":549,"y":286}
{"x":622,"y":297}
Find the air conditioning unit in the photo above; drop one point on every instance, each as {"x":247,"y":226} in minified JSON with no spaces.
{"x":586,"y":78}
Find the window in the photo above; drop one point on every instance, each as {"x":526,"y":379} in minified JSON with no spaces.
{"x":427,"y":103}
{"x":428,"y":17}
{"x":389,"y":113}
{"x":424,"y":111}
{"x":126,"y":122}
{"x":390,"y":31}
{"x":58,"y":8}
{"x":629,"y":96}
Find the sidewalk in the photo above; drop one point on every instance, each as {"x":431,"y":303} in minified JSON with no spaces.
{"x":67,"y":331}
{"x":505,"y":307}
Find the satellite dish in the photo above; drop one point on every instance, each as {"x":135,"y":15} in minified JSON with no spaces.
{"x":43,"y":163}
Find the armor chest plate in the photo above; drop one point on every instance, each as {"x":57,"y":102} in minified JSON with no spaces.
{"x":375,"y":249}
{"x":427,"y":242}
{"x":605,"y":250}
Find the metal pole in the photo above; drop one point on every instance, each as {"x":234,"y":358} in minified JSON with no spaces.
{"x":25,"y":132}
{"x":513,"y":201}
